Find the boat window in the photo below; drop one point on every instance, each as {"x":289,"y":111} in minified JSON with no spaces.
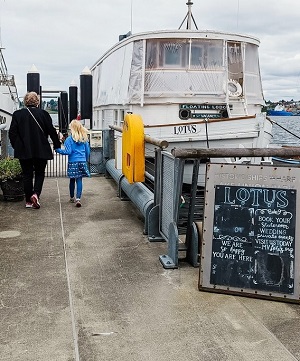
{"x":215,"y":55}
{"x":166,"y":53}
{"x":116,"y":114}
{"x":184,"y":54}
{"x":122,"y":118}
{"x":172,"y":54}
{"x":252,"y":79}
{"x":196,"y":56}
{"x":235,"y":61}
{"x":98,"y":122}
{"x":151,"y":54}
{"x":251,"y":59}
{"x":206,"y":54}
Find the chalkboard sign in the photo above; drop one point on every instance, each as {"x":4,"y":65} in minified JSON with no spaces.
{"x":254,"y":238}
{"x":250,"y":245}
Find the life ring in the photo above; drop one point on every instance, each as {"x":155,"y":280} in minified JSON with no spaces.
{"x":234,"y":88}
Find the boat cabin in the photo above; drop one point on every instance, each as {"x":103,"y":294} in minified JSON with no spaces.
{"x":170,"y":76}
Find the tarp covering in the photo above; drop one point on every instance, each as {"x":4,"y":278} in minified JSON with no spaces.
{"x":253,"y":86}
{"x":135,"y":90}
{"x":161,"y":68}
{"x":111,"y":77}
{"x":177,"y":67}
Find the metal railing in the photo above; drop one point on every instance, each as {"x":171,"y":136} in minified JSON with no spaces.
{"x":57,"y":167}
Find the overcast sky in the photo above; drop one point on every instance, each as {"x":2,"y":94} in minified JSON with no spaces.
{"x":62,"y":37}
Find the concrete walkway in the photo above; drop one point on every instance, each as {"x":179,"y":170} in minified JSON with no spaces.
{"x":86,"y":284}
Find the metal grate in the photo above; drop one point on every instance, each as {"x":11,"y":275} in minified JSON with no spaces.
{"x":172,"y":192}
{"x":96,"y":162}
{"x":168,"y":175}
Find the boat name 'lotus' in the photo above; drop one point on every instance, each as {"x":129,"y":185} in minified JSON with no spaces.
{"x":185,"y":129}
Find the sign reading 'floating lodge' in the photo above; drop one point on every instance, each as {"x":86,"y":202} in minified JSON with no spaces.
{"x":203,"y":106}
{"x":196,"y":111}
{"x":250,"y":240}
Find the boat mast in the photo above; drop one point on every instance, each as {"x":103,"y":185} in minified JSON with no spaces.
{"x":189,"y":17}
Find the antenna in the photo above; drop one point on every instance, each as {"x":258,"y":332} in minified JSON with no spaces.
{"x":0,"y":26}
{"x":238,"y":14}
{"x":189,"y":17}
{"x":131,"y":16}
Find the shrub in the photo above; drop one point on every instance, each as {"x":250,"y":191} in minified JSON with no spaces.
{"x":10,"y":168}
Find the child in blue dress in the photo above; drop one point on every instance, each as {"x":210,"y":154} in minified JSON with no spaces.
{"x":78,"y":149}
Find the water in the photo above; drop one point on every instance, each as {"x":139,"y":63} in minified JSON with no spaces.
{"x":282,"y":137}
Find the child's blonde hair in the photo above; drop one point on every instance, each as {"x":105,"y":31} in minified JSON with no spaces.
{"x":78,"y":131}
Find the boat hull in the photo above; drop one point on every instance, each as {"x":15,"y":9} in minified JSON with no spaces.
{"x":286,"y":162}
{"x":243,"y":132}
{"x":7,"y":107}
{"x":9,"y":101}
{"x":279,"y":113}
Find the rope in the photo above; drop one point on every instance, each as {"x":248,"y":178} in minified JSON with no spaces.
{"x":273,"y":122}
{"x":206,"y":132}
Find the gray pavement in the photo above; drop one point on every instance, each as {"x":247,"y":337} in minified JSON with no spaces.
{"x":86,"y":284}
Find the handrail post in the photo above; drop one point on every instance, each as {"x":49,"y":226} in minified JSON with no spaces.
{"x":157,"y":176}
{"x":192,"y":249}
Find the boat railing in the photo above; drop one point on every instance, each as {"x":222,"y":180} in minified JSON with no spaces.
{"x":158,"y":142}
{"x":207,"y":153}
{"x":200,"y":121}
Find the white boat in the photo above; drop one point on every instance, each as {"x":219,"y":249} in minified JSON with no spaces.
{"x":193,"y":88}
{"x":9,"y":101}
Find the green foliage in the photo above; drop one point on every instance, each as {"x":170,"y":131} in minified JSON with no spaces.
{"x":10,"y":168}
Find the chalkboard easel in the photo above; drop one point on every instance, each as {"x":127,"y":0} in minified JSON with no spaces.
{"x":249,"y":232}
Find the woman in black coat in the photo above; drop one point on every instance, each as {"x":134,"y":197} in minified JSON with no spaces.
{"x":28,"y":133}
